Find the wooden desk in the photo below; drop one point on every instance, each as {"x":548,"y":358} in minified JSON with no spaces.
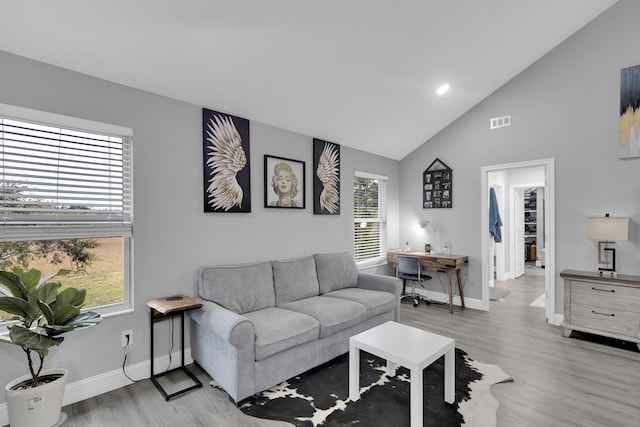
{"x":437,"y":262}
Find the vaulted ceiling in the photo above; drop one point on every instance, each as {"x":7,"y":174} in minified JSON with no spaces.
{"x":362,"y":73}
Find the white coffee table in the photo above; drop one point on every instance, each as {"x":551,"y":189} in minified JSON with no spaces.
{"x":407,"y":346}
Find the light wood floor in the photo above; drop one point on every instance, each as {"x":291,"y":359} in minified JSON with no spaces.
{"x":557,"y":381}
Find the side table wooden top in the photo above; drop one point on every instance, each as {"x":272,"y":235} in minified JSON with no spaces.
{"x":174,"y":303}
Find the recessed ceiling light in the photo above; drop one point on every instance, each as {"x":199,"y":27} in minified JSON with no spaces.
{"x":443,"y":89}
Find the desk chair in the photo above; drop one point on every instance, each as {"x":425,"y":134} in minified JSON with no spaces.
{"x":409,"y":268}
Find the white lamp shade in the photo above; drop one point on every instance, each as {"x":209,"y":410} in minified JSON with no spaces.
{"x":608,"y":229}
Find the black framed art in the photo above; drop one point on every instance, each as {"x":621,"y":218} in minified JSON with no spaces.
{"x":284,"y":183}
{"x":628,"y":140}
{"x":437,"y":186}
{"x":227,"y":178}
{"x":326,"y":178}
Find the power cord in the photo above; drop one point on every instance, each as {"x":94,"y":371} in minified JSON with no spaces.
{"x":172,"y":339}
{"x":127,"y":347}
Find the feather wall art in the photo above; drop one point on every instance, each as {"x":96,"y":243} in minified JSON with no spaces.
{"x":226,"y":162}
{"x":326,"y":178}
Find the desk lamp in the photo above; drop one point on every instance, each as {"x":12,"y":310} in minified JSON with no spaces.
{"x":423,"y":224}
{"x":607,"y":230}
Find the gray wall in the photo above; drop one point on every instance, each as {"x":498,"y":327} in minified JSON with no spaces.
{"x":564,"y":106}
{"x":173,"y":237}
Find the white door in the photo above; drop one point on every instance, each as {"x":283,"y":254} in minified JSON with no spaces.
{"x":518,"y":213}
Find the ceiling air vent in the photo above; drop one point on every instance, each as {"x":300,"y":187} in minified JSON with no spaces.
{"x":499,"y":122}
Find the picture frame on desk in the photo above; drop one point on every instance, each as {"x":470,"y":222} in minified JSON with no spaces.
{"x":427,"y":247}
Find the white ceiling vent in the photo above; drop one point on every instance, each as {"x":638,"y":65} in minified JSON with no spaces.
{"x":499,"y":122}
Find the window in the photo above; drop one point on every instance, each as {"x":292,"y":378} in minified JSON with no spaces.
{"x":370,"y":218}
{"x":66,"y":202}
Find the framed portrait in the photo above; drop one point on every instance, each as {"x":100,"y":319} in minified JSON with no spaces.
{"x":326,"y":178}
{"x":225,"y":148}
{"x":284,"y":183}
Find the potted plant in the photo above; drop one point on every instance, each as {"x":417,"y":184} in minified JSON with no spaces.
{"x":43,"y":313}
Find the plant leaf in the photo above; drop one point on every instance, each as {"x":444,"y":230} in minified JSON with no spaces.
{"x":85,"y":320}
{"x":47,"y":312}
{"x":63,"y":314}
{"x":70,"y":296}
{"x":15,"y":306}
{"x":34,"y":313}
{"x":45,"y":280}
{"x":32,"y":340}
{"x":80,"y":321}
{"x":48,"y":293}
{"x":13,"y":283}
{"x":30,"y":278}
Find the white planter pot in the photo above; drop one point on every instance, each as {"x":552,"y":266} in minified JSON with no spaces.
{"x":39,"y":406}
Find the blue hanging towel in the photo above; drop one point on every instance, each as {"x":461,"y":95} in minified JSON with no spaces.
{"x":495,"y":222}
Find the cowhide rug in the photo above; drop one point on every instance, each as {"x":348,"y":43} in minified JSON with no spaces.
{"x":319,"y":397}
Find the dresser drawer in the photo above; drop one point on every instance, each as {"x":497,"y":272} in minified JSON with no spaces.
{"x":606,"y":319}
{"x":616,"y":301}
{"x":603,"y":290}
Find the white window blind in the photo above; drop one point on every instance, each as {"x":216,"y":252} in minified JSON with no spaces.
{"x":57,"y":177}
{"x":370,"y":216}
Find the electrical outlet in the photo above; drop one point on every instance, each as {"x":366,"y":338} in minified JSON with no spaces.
{"x":128,"y":333}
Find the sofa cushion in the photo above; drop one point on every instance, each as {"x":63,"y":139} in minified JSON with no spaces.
{"x":295,"y":279}
{"x":376,"y":302}
{"x":333,"y":314}
{"x":240,"y":288}
{"x":336,"y":271}
{"x":277,"y":330}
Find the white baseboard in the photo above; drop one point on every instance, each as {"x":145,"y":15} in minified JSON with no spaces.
{"x":557,"y":320}
{"x":444,"y":298}
{"x":112,"y":380}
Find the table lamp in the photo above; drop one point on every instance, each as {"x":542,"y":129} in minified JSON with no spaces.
{"x":607,"y":230}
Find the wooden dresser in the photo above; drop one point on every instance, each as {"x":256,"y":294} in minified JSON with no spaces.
{"x":601,"y":304}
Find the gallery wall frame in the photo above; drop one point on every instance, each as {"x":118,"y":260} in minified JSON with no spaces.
{"x":284,"y":183}
{"x":437,"y":186}
{"x":326,"y":177}
{"x":629,"y":128}
{"x":226,"y":168}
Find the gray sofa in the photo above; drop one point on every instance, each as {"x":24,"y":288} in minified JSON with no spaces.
{"x":266,"y":322}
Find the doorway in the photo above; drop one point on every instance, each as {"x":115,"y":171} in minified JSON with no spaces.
{"x":546,"y":184}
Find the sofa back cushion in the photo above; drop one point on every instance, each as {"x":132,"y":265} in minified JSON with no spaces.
{"x":336,"y":271}
{"x":239,"y":288}
{"x":295,"y":279}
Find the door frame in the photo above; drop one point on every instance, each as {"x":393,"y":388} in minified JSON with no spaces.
{"x":549,"y":232}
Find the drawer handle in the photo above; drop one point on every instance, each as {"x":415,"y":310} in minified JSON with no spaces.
{"x":603,"y":290}
{"x":603,"y":314}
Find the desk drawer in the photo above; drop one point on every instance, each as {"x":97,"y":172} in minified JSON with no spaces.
{"x":606,"y":319}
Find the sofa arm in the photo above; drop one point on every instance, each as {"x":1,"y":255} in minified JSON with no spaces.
{"x":223,"y":323}
{"x":379,"y":282}
{"x":222,"y":342}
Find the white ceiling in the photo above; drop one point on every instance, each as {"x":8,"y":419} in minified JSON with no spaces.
{"x":361,"y":73}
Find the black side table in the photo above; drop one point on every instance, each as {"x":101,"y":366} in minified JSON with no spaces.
{"x":167,"y":308}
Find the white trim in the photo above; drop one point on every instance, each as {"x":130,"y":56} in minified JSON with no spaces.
{"x":550,"y":202}
{"x":370,"y":175}
{"x":371,"y":262}
{"x":442,"y":297}
{"x":109,"y":381}
{"x":43,"y":117}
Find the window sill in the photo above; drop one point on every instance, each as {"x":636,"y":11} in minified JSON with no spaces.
{"x":376,"y":262}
